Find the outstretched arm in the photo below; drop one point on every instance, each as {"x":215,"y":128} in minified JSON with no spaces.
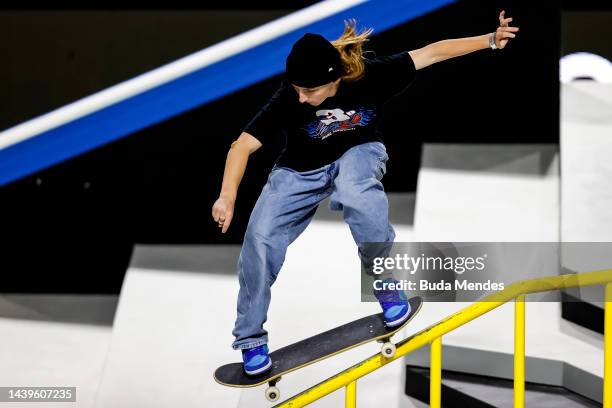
{"x":445,"y":49}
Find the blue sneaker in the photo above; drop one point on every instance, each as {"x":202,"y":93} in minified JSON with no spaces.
{"x":395,"y":305}
{"x":256,"y":360}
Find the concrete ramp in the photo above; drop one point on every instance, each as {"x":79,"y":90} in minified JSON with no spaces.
{"x":503,"y":193}
{"x":171,"y":329}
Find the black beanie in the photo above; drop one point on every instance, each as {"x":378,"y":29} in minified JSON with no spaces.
{"x":313,"y":61}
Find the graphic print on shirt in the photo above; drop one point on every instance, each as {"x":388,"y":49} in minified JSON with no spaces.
{"x":330,"y":121}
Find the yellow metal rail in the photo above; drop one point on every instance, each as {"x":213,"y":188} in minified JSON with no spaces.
{"x":519,"y":351}
{"x":435,"y":382}
{"x":433,"y":334}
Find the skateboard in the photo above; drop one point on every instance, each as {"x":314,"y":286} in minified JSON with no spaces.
{"x":316,"y":348}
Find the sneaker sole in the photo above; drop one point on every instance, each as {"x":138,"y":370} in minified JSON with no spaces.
{"x":259,"y":370}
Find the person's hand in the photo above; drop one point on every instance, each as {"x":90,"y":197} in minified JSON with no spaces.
{"x":222,"y":212}
{"x":504,"y":32}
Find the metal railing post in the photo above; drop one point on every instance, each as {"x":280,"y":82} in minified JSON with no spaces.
{"x":519,"y":352}
{"x":435,"y":375}
{"x":607,"y":391}
{"x":351,"y":395}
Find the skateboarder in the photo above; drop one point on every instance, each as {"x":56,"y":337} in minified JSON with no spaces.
{"x":328,"y":108}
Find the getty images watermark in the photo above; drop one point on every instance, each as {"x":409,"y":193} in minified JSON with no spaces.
{"x":411,"y":264}
{"x":469,"y":271}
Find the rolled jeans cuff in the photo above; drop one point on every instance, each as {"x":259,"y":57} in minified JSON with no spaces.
{"x":249,"y":343}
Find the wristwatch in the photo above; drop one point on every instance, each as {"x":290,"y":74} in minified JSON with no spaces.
{"x":492,"y":41}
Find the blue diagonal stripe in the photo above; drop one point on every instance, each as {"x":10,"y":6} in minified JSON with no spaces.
{"x":192,"y":90}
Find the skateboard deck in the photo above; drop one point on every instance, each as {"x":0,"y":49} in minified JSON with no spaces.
{"x":316,"y":348}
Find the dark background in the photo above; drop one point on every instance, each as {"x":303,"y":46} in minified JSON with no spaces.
{"x":71,"y":228}
{"x":596,"y":39}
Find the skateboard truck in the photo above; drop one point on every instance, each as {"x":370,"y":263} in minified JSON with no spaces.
{"x":272,"y":392}
{"x":388,"y":348}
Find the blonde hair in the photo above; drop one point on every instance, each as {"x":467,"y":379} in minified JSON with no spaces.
{"x":350,"y":46}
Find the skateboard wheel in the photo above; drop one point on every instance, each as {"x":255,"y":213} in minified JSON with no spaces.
{"x":388,"y":349}
{"x":272,"y":394}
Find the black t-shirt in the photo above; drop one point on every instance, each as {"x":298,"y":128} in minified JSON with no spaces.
{"x":318,"y":135}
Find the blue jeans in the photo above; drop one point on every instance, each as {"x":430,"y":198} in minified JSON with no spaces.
{"x":284,"y":209}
